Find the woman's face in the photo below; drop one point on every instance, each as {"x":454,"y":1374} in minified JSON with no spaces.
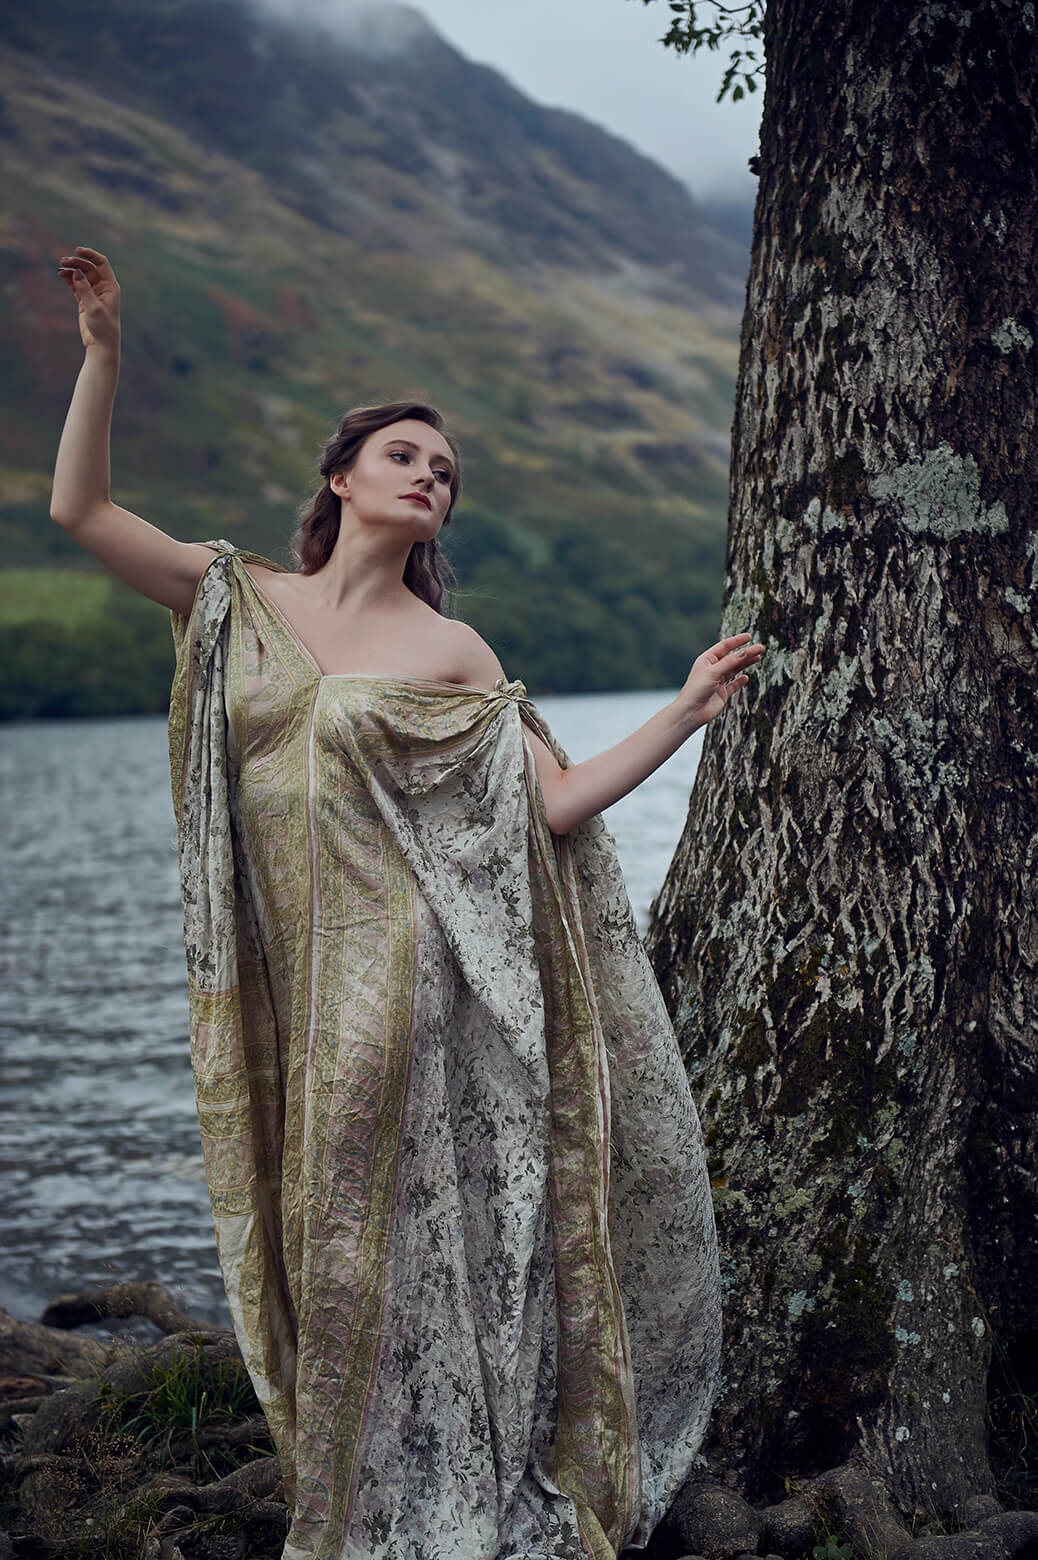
{"x":402,"y":477}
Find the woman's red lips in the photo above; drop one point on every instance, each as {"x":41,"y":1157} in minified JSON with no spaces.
{"x":419,"y":498}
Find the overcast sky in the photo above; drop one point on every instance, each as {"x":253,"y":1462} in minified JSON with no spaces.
{"x":602,"y":58}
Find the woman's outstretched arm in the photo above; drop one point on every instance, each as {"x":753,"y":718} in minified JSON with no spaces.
{"x":145,"y":557}
{"x":573,"y":795}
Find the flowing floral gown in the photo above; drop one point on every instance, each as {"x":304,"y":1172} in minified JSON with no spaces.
{"x":457,"y":1177}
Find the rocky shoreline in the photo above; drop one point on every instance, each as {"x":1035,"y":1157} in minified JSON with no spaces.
{"x":129,"y":1451}
{"x":132,"y":1451}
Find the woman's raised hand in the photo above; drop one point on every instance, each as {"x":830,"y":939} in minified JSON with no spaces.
{"x":717,"y":674}
{"x":92,"y":280}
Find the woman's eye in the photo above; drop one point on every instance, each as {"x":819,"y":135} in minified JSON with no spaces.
{"x":442,"y":475}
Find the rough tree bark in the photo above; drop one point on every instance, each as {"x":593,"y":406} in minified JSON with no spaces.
{"x":848,"y":935}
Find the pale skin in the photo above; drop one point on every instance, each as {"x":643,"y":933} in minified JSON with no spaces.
{"x":354,"y":615}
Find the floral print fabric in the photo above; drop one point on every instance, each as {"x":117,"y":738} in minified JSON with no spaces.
{"x":457,"y":1178}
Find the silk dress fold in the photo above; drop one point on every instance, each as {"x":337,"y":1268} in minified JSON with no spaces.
{"x":457,"y":1177}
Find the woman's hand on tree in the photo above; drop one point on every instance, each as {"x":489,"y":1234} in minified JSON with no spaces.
{"x":90,"y":277}
{"x":716,"y":675}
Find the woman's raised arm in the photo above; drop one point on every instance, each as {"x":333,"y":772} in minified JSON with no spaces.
{"x":138,"y":553}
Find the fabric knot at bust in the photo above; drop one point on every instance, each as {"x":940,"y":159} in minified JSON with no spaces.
{"x":509,"y":690}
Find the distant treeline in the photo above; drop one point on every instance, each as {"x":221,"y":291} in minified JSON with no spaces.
{"x":118,"y":662}
{"x":590,"y":616}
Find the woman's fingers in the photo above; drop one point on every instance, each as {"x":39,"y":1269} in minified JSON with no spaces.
{"x":73,"y":271}
{"x":91,"y":263}
{"x":92,"y":282}
{"x":724,"y":646}
{"x":734,"y":645}
{"x":731,"y":665}
{"x":720,"y":672}
{"x":94,"y":256}
{"x":741,"y":655}
{"x":89,"y":276}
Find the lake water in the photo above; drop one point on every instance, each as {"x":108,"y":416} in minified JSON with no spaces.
{"x":100,"y":1167}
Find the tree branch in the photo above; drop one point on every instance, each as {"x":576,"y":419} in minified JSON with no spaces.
{"x":687,"y":35}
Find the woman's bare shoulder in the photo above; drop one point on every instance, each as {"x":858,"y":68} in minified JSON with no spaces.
{"x":270,"y":577}
{"x":477,"y":662}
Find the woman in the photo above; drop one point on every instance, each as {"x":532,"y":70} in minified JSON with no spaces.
{"x":457,"y":1178}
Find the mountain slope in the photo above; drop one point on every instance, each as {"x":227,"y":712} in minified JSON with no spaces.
{"x":372,"y":125}
{"x":279,"y":265}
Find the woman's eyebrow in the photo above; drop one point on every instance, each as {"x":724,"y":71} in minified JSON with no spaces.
{"x":410,"y":445}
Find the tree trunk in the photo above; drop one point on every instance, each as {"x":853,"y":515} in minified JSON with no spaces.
{"x":848,"y":935}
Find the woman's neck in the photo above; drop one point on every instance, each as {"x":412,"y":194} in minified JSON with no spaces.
{"x":363,"y":571}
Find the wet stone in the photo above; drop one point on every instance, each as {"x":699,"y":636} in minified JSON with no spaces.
{"x":955,"y":1546}
{"x":789,"y":1526}
{"x":865,"y":1513}
{"x":1017,"y":1531}
{"x":978,"y":1509}
{"x":715,"y":1522}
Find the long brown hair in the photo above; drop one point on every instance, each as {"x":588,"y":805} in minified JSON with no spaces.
{"x":427,"y":571}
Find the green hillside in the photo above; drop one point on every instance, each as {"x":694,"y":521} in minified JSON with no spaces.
{"x":592,"y":404}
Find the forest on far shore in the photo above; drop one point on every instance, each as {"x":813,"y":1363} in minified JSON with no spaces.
{"x":75,"y":643}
